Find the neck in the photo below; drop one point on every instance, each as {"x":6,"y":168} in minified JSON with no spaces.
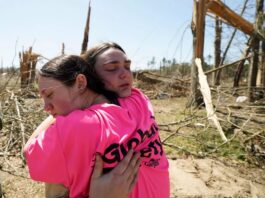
{"x":99,"y":99}
{"x":92,"y":98}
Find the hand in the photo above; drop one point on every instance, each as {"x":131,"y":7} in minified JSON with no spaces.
{"x":119,"y":182}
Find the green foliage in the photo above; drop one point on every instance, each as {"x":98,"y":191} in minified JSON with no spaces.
{"x":169,"y":67}
{"x":205,"y":142}
{"x":197,"y":137}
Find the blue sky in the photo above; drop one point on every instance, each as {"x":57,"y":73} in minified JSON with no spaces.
{"x":144,"y":28}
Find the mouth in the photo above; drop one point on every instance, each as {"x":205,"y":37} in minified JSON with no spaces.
{"x":125,"y":85}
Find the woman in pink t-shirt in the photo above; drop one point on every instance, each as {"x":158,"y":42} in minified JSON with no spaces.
{"x":110,"y":62}
{"x":121,"y":129}
{"x":122,"y":178}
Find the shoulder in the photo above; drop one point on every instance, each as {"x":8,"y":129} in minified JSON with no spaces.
{"x":77,"y":125}
{"x":137,"y":104}
{"x":136,"y":96}
{"x":77,"y":118}
{"x":138,"y":92}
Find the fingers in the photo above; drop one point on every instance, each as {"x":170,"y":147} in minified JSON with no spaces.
{"x":132,"y":166}
{"x":132,"y":184}
{"x":98,"y":169}
{"x":136,"y":160}
{"x":134,"y":176}
{"x":123,"y":165}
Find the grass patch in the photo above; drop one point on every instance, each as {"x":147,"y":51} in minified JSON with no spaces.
{"x":196,"y":137}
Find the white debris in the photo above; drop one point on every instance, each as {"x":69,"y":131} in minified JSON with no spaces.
{"x":241,"y":99}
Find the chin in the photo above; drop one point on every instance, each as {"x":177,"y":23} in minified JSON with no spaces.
{"x":125,"y":93}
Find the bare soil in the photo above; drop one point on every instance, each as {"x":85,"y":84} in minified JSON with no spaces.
{"x":189,"y":178}
{"x":212,"y":178}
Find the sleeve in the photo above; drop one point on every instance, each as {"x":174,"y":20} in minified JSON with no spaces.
{"x":145,"y":100}
{"x":45,"y":158}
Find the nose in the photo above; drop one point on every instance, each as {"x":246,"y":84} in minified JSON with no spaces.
{"x":124,"y":73}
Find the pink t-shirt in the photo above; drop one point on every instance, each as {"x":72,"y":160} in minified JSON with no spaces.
{"x":64,"y":153}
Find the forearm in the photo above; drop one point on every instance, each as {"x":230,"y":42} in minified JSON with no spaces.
{"x":43,"y":126}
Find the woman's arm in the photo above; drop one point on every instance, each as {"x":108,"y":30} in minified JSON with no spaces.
{"x":43,"y":126}
{"x":119,"y":182}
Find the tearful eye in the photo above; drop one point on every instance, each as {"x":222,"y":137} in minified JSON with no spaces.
{"x":128,"y":67}
{"x":111,"y":70}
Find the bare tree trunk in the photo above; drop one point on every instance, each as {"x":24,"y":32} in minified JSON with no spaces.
{"x":263,"y":68}
{"x":63,"y":48}
{"x":25,"y":67}
{"x":217,"y":46}
{"x":263,"y":65}
{"x":197,"y":28}
{"x":194,"y":76}
{"x":33,"y":69}
{"x":86,"y":32}
{"x":240,"y":65}
{"x":259,"y":26}
{"x":28,"y":62}
{"x":194,"y":79}
{"x":253,"y":70}
{"x":200,"y":27}
{"x":218,"y":73}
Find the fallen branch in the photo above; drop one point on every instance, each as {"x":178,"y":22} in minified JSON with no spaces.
{"x":15,"y":174}
{"x":242,"y":117}
{"x":182,"y":149}
{"x":169,"y":136}
{"x":22,"y":128}
{"x":252,"y":136}
{"x":177,"y":122}
{"x":206,"y":93}
{"x":175,"y":83}
{"x":224,"y":143}
{"x":7,"y":154}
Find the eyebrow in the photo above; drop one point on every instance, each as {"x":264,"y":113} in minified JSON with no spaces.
{"x":115,"y":62}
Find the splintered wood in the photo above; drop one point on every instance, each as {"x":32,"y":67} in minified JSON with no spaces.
{"x":206,"y":93}
{"x":28,"y":61}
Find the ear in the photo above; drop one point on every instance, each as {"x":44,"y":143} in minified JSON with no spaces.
{"x":81,"y":83}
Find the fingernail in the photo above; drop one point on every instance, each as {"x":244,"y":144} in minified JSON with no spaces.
{"x":137,"y":153}
{"x":97,"y":154}
{"x":97,"y":157}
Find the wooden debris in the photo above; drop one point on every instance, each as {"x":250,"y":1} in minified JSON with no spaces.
{"x":1,"y":115}
{"x":86,"y":32}
{"x":153,"y":78}
{"x":22,"y":128}
{"x":1,"y":191}
{"x":206,"y":93}
{"x":28,"y":62}
{"x":224,"y":12}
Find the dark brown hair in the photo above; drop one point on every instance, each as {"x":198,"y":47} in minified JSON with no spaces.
{"x":65,"y":68}
{"x":91,"y":55}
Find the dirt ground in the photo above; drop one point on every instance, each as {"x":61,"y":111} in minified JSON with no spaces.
{"x":212,"y":178}
{"x":189,"y":176}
